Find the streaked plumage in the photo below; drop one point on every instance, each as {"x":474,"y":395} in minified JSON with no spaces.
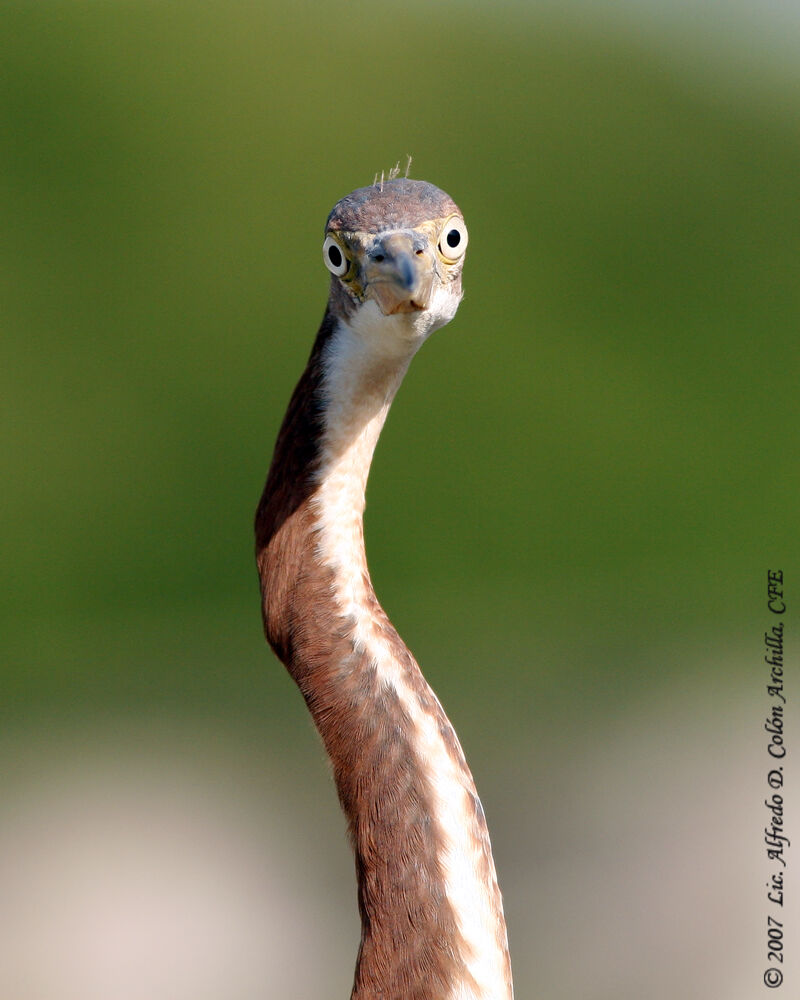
{"x":431,"y":912}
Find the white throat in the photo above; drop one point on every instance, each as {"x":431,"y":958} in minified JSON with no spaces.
{"x":363,"y":366}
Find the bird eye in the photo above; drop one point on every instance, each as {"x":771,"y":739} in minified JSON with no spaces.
{"x":453,"y":239}
{"x":334,"y":257}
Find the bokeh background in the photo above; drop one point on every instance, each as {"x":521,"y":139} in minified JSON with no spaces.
{"x":572,"y":509}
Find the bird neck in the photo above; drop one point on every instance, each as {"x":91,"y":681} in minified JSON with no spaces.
{"x":431,"y":912}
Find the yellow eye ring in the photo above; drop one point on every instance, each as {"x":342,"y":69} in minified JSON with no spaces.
{"x":453,"y":239}
{"x":334,"y":257}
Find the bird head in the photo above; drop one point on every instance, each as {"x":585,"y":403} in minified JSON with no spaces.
{"x":396,"y":250}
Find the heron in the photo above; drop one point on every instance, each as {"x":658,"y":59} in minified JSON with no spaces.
{"x":432,"y":923}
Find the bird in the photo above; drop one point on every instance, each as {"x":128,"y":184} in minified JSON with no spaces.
{"x":432,"y":923}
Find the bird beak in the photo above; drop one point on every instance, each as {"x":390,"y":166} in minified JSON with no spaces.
{"x":399,"y":275}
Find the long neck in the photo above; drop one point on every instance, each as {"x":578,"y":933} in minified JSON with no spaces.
{"x":431,"y":912}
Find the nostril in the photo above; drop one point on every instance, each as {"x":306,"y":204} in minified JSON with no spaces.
{"x":420,"y":253}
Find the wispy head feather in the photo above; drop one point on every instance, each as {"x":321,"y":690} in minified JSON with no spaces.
{"x":393,"y":174}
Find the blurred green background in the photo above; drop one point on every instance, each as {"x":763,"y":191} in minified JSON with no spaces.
{"x":571,"y":511}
